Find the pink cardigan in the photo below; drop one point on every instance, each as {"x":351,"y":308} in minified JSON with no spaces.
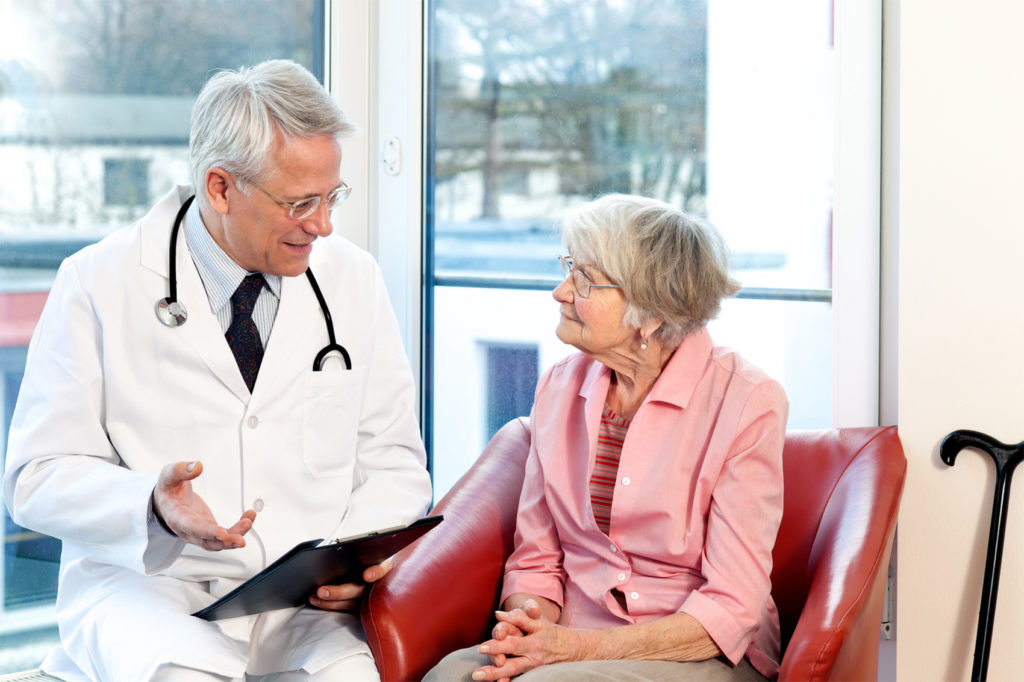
{"x":696,"y":506}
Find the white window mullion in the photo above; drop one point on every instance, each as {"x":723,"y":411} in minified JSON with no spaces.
{"x":856,"y":252}
{"x":376,"y":64}
{"x":348,"y":78}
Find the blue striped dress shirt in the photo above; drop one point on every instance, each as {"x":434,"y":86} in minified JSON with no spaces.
{"x":221,"y":276}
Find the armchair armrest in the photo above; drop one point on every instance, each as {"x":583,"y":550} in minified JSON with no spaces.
{"x":442,"y":592}
{"x":836,"y":636}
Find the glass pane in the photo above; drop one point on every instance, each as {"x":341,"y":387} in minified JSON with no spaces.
{"x":536,"y":106}
{"x":95,"y":101}
{"x":462,"y":421}
{"x":540,"y":105}
{"x":792,"y":341}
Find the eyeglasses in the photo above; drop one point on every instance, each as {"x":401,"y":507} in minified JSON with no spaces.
{"x":303,"y":208}
{"x":580,"y":281}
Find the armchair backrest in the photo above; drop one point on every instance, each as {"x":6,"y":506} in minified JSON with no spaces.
{"x":443,"y":590}
{"x":842,"y":490}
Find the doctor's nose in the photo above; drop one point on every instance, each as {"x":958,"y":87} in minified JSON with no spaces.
{"x":319,"y":222}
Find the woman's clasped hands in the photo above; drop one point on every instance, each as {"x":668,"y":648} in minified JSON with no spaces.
{"x":525,"y":638}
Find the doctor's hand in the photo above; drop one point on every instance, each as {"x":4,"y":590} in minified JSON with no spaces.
{"x":347,"y":597}
{"x":186,"y":515}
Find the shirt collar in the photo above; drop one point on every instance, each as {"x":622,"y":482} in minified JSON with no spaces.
{"x":678,"y":379}
{"x":220,"y":275}
{"x":684,"y":370}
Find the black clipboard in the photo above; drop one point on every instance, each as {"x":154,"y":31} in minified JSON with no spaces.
{"x":291,"y":579}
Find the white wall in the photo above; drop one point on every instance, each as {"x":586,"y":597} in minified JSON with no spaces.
{"x":961,"y":323}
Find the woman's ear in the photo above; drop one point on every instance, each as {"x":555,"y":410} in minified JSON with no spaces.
{"x":217,"y":184}
{"x":650,"y":326}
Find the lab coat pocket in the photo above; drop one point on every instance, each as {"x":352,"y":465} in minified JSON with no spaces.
{"x":330,"y":420}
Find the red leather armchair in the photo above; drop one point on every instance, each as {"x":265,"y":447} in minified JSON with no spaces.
{"x":843,"y":488}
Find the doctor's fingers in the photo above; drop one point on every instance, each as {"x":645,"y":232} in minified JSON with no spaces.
{"x":211,"y":537}
{"x":337,"y":597}
{"x":344,"y":592}
{"x":217,"y":544}
{"x":244,"y":524}
{"x":178,"y":472}
{"x":375,"y":573}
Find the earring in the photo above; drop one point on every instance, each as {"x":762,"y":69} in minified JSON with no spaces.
{"x":643,"y":344}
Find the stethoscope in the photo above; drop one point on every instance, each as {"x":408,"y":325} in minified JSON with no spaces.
{"x":172,"y":312}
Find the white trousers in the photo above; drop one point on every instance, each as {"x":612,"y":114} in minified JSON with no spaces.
{"x":357,"y":668}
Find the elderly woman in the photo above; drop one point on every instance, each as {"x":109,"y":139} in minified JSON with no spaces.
{"x":653,"y":487}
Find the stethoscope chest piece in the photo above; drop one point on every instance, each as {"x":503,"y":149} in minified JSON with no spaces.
{"x":171,"y":313}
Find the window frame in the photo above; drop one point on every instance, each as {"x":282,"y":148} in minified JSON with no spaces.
{"x":388,"y":101}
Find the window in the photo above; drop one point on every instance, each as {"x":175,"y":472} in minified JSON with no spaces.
{"x":126,"y":182}
{"x":94,"y":116}
{"x":697,"y":103}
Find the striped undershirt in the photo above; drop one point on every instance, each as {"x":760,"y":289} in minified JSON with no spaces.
{"x":221,"y":276}
{"x":606,"y":466}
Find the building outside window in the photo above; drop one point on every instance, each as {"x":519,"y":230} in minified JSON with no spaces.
{"x":511,"y":379}
{"x":126,"y":182}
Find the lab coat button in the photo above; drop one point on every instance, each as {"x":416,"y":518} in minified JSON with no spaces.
{"x":257,"y":504}
{"x":253,"y":422}
{"x":625,"y":480}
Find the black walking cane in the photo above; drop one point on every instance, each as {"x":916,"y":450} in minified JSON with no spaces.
{"x":1006,"y":457}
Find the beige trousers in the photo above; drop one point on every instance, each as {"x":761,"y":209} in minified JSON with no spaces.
{"x":459,"y":666}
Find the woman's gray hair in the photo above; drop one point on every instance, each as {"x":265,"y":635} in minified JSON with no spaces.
{"x":238,"y":115}
{"x":669,"y":264}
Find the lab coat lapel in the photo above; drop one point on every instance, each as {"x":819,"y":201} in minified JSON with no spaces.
{"x":155,"y":233}
{"x":201,"y":331}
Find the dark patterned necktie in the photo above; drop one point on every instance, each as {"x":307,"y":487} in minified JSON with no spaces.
{"x":242,"y":335}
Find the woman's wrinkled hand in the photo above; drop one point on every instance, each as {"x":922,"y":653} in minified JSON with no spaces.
{"x":523,"y":640}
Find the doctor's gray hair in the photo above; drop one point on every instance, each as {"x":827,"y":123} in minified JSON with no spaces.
{"x":668,"y":263}
{"x":238,"y":115}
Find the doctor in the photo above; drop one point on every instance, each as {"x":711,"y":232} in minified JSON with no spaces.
{"x":176,"y":455}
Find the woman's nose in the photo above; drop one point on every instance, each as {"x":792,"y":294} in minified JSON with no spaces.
{"x":564,"y":293}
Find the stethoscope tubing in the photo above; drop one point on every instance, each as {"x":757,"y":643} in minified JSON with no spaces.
{"x":166,"y":314}
{"x":332,"y":342}
{"x":172,"y":262}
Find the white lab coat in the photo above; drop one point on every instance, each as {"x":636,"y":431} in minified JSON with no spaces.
{"x":110,"y":395}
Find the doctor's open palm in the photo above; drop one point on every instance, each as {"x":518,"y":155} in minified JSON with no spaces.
{"x":186,"y":514}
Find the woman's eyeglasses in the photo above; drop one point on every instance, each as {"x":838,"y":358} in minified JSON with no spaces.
{"x":580,"y":281}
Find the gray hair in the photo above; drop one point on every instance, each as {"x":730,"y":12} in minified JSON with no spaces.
{"x":238,"y":115}
{"x":668,"y":263}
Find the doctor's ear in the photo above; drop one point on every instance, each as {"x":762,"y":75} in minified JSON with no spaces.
{"x":218,"y":182}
